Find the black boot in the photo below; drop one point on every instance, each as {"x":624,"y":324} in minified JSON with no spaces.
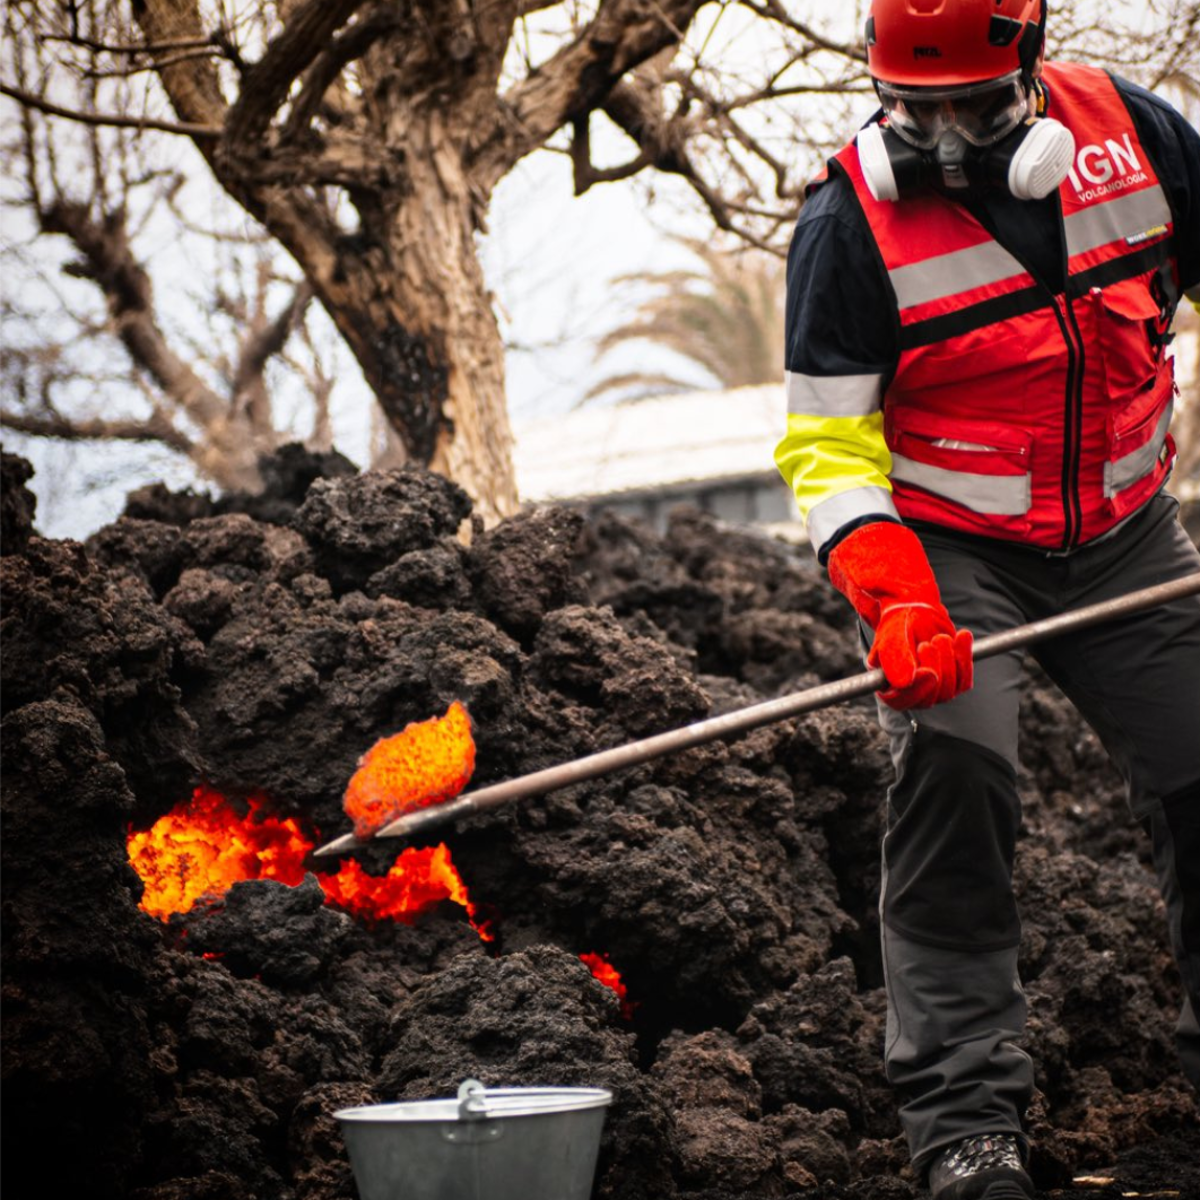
{"x":987,"y":1167}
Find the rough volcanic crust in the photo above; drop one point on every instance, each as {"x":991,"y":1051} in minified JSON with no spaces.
{"x":733,"y":886}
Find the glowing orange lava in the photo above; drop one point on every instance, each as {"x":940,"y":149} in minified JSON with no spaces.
{"x":418,"y":879}
{"x":608,"y":975}
{"x":203,"y":847}
{"x":426,"y":763}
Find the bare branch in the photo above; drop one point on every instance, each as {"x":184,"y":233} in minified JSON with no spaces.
{"x":109,"y":261}
{"x":320,"y":385}
{"x":130,"y":69}
{"x":585,"y":173}
{"x":775,"y":11}
{"x":720,"y":114}
{"x":134,"y":47}
{"x":29,"y":101}
{"x":623,"y":34}
{"x":155,"y":429}
{"x":350,"y":45}
{"x":266,"y":85}
{"x":665,"y":141}
{"x":265,"y":343}
{"x":339,"y":162}
{"x":193,"y":88}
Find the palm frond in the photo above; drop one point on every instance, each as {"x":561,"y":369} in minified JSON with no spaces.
{"x":646,"y":386}
{"x":726,"y":317}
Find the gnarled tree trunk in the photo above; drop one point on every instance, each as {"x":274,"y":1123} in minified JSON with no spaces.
{"x":368,"y":138}
{"x":414,"y":308}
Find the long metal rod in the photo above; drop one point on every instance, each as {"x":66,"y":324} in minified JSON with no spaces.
{"x":744,"y":719}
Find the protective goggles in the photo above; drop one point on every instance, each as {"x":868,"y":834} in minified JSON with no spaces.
{"x":981,"y":112}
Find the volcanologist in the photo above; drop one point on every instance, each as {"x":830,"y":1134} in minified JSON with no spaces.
{"x":980,"y":292}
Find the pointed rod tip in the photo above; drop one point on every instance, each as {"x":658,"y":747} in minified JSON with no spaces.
{"x":346,"y":842}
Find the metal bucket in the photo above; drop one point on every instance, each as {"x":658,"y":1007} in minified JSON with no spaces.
{"x":488,"y":1144}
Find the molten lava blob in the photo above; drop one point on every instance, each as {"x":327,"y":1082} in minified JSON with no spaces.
{"x":203,"y":847}
{"x":426,"y":763}
{"x":608,"y":975}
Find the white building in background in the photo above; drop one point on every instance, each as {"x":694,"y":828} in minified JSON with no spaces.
{"x":641,"y":458}
{"x":713,"y":451}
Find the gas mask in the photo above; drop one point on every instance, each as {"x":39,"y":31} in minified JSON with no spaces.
{"x":961,"y":139}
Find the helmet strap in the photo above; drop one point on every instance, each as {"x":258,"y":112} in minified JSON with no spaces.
{"x":1033,"y":38}
{"x":1039,"y":93}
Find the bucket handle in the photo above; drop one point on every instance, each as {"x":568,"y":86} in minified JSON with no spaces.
{"x":472,"y":1100}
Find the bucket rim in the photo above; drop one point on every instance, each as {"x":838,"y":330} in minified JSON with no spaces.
{"x":499,"y":1102}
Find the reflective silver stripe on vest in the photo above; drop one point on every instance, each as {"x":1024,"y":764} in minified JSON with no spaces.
{"x":950,"y":274}
{"x":1001,"y":495}
{"x":1115,"y":220}
{"x":1137,"y":464}
{"x":833,"y":395}
{"x":826,"y":518}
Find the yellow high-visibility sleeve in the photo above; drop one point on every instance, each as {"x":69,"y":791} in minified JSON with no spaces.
{"x":837,"y":468}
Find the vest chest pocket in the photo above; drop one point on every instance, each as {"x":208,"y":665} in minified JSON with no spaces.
{"x":981,"y":465}
{"x":1128,"y":318}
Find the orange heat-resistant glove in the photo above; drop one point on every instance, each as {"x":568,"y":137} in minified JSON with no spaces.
{"x":882,"y":570}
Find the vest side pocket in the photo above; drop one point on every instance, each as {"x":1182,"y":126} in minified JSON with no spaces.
{"x":983,"y":466}
{"x":1141,"y":450}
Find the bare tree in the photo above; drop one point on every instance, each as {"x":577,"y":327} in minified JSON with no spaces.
{"x":200,"y":388}
{"x":366,"y":137}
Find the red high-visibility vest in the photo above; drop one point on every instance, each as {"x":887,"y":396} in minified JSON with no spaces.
{"x":1015,"y":413}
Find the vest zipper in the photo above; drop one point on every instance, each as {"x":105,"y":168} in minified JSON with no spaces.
{"x":1073,"y":415}
{"x":1072,"y":422}
{"x":1072,"y":504}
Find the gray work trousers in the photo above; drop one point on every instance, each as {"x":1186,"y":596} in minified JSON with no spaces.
{"x":950,"y":924}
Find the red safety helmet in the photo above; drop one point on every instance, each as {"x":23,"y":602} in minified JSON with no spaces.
{"x":946,"y":43}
